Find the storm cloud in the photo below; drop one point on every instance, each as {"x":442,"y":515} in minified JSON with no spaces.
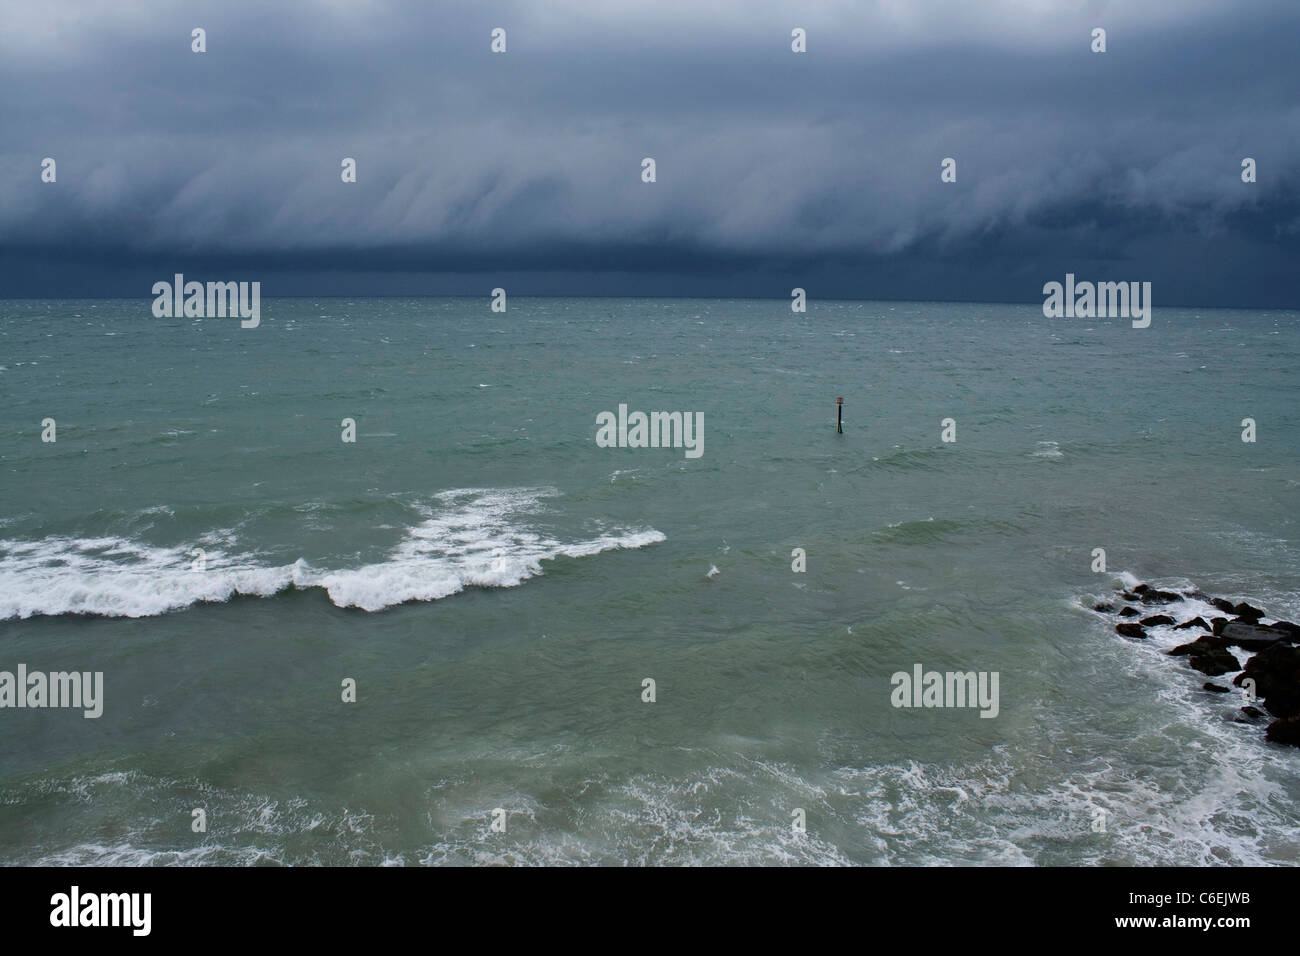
{"x":774,"y":169}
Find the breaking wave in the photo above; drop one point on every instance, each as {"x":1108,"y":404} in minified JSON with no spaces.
{"x":470,"y":538}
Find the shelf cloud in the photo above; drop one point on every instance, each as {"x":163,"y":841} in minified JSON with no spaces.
{"x":773,"y":168}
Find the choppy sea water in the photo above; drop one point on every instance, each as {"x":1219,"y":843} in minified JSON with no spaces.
{"x":499,"y":586}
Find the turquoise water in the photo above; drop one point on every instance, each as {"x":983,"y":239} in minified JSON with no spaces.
{"x":499,"y":586}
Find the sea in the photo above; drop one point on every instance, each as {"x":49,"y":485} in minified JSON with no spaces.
{"x":475,"y":635}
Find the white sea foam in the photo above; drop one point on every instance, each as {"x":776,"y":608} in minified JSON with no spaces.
{"x":710,"y":815}
{"x":1229,"y":807}
{"x":471,"y":538}
{"x":981,"y":812}
{"x":119,"y":577}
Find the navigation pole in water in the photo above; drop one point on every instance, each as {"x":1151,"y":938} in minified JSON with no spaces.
{"x":839,"y":415}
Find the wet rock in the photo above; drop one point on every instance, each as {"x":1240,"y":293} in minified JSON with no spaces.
{"x":1103,"y":608}
{"x":1209,"y":655}
{"x":1217,"y":624}
{"x":1130,"y":630}
{"x":1254,"y":713}
{"x":1217,"y":688}
{"x":1222,"y":605}
{"x":1253,"y":637}
{"x":1205,"y":644}
{"x":1142,"y":588}
{"x":1194,"y":622}
{"x":1218,"y":661}
{"x":1160,"y":597}
{"x":1276,"y":673}
{"x":1245,"y":612}
{"x":1129,"y":612}
{"x":1196,"y":595}
{"x":1284,"y":731}
{"x":1156,"y":620}
{"x":1288,"y":628}
{"x":1130,"y":596}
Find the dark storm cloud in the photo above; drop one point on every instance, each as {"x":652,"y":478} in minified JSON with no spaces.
{"x":774,"y":169}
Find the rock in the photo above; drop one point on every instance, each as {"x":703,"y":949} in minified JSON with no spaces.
{"x":1222,"y":605}
{"x":1160,"y":597}
{"x":1276,"y":673}
{"x":1196,"y":595}
{"x":1142,"y":588}
{"x":1289,"y":628}
{"x":1194,"y":622}
{"x":1103,"y":608}
{"x":1205,"y":644}
{"x":1217,"y":624}
{"x":1252,"y":712}
{"x":1156,"y":620}
{"x":1214,"y":665}
{"x":1129,"y":612}
{"x":1217,"y":688}
{"x":1245,"y":612}
{"x":1130,"y":596}
{"x":1130,"y":630}
{"x":1253,"y":637}
{"x":1216,"y":662}
{"x":1284,"y":731}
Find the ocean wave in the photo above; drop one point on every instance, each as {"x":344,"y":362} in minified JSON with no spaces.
{"x":982,"y":812}
{"x":932,"y":530}
{"x":726,"y":810}
{"x":714,"y":815}
{"x":470,"y":538}
{"x":913,"y":459}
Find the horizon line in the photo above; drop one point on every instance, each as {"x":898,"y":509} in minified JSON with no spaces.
{"x":712,"y":298}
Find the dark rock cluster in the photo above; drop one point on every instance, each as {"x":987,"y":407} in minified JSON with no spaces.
{"x":1272,"y":673}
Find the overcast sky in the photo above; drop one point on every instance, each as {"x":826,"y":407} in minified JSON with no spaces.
{"x":774,"y":169}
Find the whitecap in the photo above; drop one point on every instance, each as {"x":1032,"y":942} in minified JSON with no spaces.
{"x":470,"y":538}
